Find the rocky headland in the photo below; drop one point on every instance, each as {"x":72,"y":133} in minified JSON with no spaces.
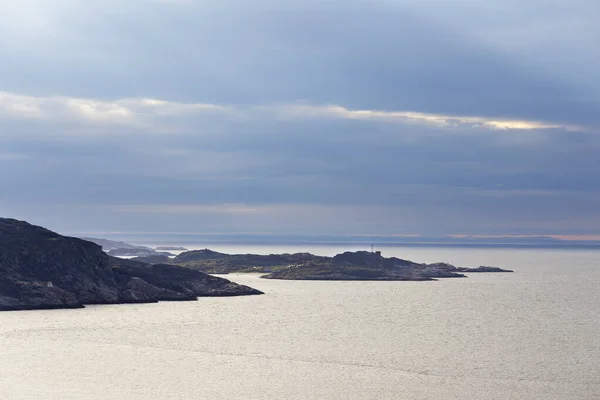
{"x":40,"y":269}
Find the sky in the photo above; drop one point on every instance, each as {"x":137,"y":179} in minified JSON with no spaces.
{"x":387,"y":117}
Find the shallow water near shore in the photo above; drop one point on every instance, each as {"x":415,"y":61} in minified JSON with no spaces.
{"x":532,"y":334}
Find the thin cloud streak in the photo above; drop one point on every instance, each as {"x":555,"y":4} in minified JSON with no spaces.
{"x":135,"y":111}
{"x":435,"y":119}
{"x":127,"y":111}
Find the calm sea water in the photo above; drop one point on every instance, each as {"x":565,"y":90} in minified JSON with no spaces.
{"x":533,"y":334}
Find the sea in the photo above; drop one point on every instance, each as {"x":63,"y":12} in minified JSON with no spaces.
{"x":532,"y":334}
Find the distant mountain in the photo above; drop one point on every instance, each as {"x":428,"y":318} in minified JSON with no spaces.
{"x":40,"y":269}
{"x":108,"y":245}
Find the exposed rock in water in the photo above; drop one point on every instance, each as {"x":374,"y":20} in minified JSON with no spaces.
{"x":483,"y":268}
{"x":40,"y":269}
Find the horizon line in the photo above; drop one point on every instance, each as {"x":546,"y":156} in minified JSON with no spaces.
{"x":562,"y":237}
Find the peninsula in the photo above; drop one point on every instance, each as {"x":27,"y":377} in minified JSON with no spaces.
{"x":360,"y":265}
{"x":40,"y":269}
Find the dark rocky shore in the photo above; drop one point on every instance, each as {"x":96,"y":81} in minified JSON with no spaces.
{"x":40,"y":269}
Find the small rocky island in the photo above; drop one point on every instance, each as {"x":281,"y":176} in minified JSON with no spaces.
{"x":40,"y":269}
{"x":141,"y":252}
{"x":360,"y":265}
{"x":170,"y":248}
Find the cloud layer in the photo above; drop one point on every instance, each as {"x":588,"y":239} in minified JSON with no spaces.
{"x":317,"y":117}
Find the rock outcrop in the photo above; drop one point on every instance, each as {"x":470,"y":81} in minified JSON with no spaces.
{"x":41,"y":269}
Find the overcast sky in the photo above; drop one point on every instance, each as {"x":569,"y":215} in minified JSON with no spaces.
{"x":313,"y":116}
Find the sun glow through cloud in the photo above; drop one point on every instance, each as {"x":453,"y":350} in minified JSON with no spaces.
{"x":134,"y":110}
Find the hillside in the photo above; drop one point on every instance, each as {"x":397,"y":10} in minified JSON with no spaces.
{"x":214,"y":262}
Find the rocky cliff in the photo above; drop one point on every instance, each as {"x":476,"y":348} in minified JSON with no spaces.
{"x":41,"y":269}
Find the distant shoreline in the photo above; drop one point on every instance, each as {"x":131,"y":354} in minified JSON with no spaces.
{"x":366,"y":245}
{"x":163,"y":241}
